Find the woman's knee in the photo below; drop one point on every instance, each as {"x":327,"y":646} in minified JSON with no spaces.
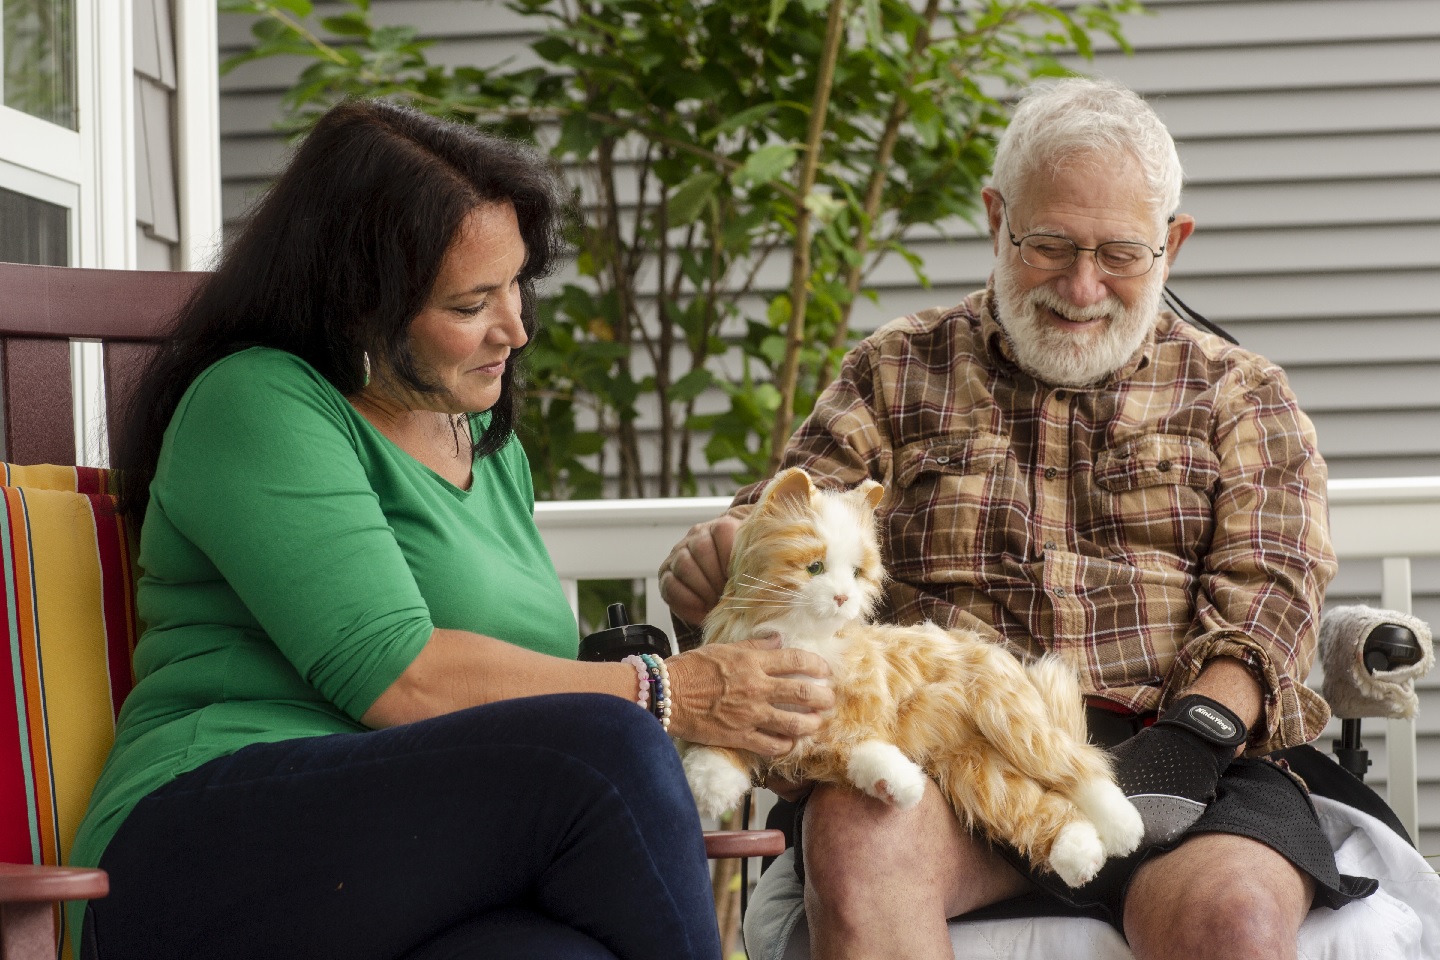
{"x":620,"y":743}
{"x":616,"y":736}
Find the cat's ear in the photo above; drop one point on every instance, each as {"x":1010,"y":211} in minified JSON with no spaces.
{"x":789,"y":486}
{"x":869,"y":494}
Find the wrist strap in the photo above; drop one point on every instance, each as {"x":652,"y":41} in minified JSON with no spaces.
{"x":1208,"y":719}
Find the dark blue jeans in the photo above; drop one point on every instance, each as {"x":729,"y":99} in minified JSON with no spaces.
{"x":556,"y":826}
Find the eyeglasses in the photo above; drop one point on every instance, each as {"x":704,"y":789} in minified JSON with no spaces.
{"x":1119,"y":258}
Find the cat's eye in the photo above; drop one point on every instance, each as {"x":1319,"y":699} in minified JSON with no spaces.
{"x":816,"y":568}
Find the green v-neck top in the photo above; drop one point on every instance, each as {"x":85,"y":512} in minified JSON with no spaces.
{"x":295,"y":561}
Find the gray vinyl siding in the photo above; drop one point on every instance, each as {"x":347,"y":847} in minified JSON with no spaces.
{"x":1310,"y":133}
{"x":157,"y":197}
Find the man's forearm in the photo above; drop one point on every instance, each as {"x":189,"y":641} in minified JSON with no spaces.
{"x":1230,"y":681}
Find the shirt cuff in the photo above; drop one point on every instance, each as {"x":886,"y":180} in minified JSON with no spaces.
{"x":1290,"y":712}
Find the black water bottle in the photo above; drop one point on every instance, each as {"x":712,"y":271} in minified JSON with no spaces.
{"x":622,"y":638}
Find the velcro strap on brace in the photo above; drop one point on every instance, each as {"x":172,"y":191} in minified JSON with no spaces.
{"x":1208,"y":719}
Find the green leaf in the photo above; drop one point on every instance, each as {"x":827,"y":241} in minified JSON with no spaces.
{"x":772,"y":349}
{"x":552,"y":48}
{"x":823,"y":204}
{"x":347,"y":25}
{"x":768,"y":163}
{"x":874,"y":24}
{"x":779,"y":312}
{"x":689,"y":85}
{"x":393,"y":38}
{"x":301,"y":8}
{"x":691,"y":385}
{"x":269,"y":29}
{"x":777,"y":7}
{"x":745,"y":118}
{"x":767,"y":398}
{"x":691,"y":197}
{"x":587,"y":443}
{"x":579,"y":135}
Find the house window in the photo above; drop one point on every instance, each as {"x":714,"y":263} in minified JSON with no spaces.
{"x":33,"y":231}
{"x":39,"y":59}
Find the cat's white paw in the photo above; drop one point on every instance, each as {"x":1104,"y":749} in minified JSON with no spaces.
{"x":882,"y":771}
{"x":1077,"y":854}
{"x":1116,"y":820}
{"x":715,"y":780}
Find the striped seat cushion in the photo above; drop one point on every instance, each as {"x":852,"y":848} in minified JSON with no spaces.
{"x":69,"y":628}
{"x":49,"y":476}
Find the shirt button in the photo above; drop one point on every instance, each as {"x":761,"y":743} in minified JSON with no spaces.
{"x":1059,"y":591}
{"x":1164,"y":466}
{"x":1051,"y":473}
{"x":1060,"y":394}
{"x":1049,"y":544}
{"x":942,"y":459}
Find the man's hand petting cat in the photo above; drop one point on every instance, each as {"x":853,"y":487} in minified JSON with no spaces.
{"x":752,"y":695}
{"x":693,"y":576}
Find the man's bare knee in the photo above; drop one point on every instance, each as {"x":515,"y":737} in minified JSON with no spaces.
{"x":1227,"y":897}
{"x":859,"y":851}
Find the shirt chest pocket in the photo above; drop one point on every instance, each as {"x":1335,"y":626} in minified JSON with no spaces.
{"x":1156,"y":492}
{"x":947,"y":490}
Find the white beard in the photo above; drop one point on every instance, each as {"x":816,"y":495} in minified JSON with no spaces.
{"x":1065,"y":358}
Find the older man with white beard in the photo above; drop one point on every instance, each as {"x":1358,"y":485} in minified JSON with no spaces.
{"x":1069,"y":469}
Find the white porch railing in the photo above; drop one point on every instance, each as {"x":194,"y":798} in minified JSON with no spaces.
{"x":1392,"y":519}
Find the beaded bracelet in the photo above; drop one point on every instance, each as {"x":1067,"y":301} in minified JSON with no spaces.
{"x":642,"y":674}
{"x":659,"y":676}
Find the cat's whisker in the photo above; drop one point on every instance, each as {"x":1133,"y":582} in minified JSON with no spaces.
{"x":768,"y":593}
{"x":760,"y":589}
{"x":763,"y":585}
{"x":754,"y":579}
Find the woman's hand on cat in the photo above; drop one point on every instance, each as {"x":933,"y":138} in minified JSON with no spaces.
{"x":693,"y":576}
{"x":730,"y":695}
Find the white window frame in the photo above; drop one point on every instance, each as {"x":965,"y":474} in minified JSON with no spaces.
{"x":93,"y":167}
{"x":91,"y":171}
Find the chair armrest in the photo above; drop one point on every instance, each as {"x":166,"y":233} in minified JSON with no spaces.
{"x":720,"y":844}
{"x":27,"y":883}
{"x":27,"y":897}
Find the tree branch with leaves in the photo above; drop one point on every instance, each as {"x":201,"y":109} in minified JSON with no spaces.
{"x":741,"y":169}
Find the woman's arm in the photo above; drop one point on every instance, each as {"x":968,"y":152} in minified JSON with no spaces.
{"x":723,"y":695}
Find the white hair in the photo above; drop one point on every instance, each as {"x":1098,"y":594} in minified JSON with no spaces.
{"x":1058,"y":122}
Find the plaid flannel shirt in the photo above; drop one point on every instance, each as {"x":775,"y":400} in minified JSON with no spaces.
{"x":1172,"y":514}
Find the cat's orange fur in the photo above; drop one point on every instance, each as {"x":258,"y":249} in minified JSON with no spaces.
{"x":1005,"y":742}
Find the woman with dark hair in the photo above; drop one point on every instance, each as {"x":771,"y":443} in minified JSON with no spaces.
{"x":358,"y":728}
